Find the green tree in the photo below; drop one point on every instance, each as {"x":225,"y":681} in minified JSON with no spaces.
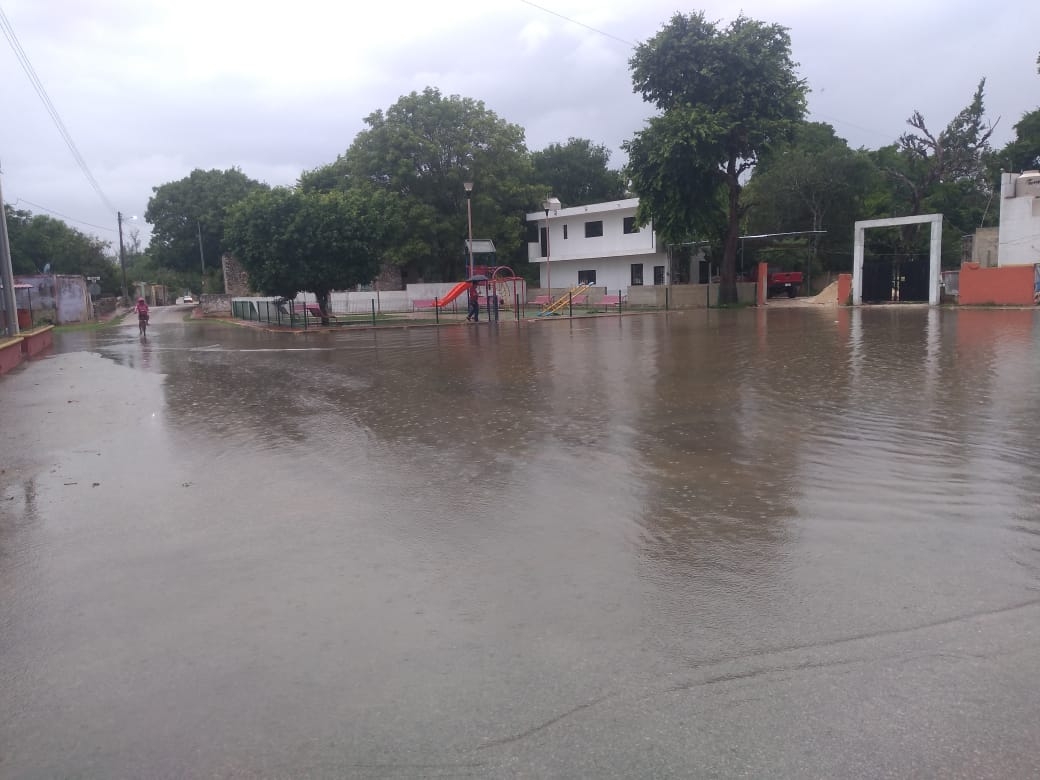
{"x":813,"y":182}
{"x":1023,"y":153}
{"x":290,"y":241}
{"x":421,"y":151}
{"x":39,"y":241}
{"x":179,"y":210}
{"x":958,"y":153}
{"x":578,"y":172}
{"x":726,"y":94}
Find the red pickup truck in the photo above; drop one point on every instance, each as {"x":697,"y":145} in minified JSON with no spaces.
{"x":784,"y":281}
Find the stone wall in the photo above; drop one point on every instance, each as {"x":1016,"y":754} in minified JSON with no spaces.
{"x":236,"y":280}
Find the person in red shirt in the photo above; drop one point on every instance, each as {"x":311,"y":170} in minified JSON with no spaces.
{"x":142,"y":315}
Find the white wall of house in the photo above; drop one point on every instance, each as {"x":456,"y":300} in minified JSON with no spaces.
{"x":1019,"y":242}
{"x":593,"y":239}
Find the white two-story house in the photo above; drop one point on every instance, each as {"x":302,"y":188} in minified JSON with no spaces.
{"x":1019,"y":242}
{"x":599,"y":244}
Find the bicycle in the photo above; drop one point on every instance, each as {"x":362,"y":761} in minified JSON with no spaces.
{"x":142,"y":325}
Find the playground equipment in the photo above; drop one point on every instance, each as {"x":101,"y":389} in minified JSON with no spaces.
{"x":453,"y":293}
{"x":577,"y":294}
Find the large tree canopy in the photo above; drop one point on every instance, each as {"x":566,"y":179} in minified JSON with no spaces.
{"x":813,"y":182}
{"x":290,"y":241}
{"x":179,"y":210}
{"x":578,"y":172}
{"x":726,"y":94}
{"x":422,"y":150}
{"x":39,"y":241}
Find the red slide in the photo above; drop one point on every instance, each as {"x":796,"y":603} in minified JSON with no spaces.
{"x":454,"y":293}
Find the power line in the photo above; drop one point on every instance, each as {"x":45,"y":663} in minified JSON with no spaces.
{"x":575,"y":21}
{"x":63,"y":216}
{"x":41,"y":92}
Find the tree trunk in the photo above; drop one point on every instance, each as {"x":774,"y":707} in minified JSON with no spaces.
{"x":728,"y":274}
{"x":322,"y":297}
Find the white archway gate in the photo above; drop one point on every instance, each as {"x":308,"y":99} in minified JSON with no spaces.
{"x":934,"y":256}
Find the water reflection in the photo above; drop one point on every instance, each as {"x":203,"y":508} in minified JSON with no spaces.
{"x":444,"y":537}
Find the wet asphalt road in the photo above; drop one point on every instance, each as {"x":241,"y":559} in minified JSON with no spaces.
{"x":798,"y":543}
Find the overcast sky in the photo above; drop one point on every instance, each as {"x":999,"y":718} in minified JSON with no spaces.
{"x":151,"y":90}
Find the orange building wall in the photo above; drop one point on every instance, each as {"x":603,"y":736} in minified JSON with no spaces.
{"x":1011,"y":285}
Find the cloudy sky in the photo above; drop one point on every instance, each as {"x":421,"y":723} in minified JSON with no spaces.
{"x":150,"y":89}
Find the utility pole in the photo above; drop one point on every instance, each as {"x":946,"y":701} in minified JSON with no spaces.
{"x":122,"y":256}
{"x":202,"y":257}
{"x":7,"y":273}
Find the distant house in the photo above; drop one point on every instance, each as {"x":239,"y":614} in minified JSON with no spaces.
{"x":599,"y":244}
{"x":1019,"y":240}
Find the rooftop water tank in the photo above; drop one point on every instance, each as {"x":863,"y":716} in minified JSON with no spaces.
{"x":1028,"y":185}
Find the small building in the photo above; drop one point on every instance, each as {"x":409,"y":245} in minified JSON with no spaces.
{"x":599,"y":244}
{"x":1019,"y":242}
{"x":61,"y":298}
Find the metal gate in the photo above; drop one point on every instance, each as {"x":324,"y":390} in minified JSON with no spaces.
{"x":912,"y":279}
{"x":878,"y":275}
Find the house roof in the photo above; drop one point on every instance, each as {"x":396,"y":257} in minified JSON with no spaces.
{"x":590,"y":209}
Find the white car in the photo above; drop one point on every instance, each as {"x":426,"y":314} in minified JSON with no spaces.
{"x":187,"y":299}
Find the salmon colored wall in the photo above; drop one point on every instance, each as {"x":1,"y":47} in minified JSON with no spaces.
{"x":37,"y":341}
{"x":1011,"y":285}
{"x":763,"y":284}
{"x":844,"y":289}
{"x":10,"y":354}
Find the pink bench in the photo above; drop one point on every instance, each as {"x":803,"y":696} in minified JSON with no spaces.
{"x":579,"y":300}
{"x":611,"y":300}
{"x":542,"y":300}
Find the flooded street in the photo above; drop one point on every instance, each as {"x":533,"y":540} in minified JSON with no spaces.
{"x":789,"y":543}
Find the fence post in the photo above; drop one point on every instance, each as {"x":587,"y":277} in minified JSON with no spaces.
{"x":373,"y":312}
{"x":619,"y":302}
{"x":437,"y":311}
{"x":570,"y":304}
{"x":666,"y":289}
{"x":517,"y":309}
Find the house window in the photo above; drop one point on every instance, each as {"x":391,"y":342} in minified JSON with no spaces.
{"x":543,"y":239}
{"x":586,"y":277}
{"x":594,"y":229}
{"x":565,"y":232}
{"x":658,"y":274}
{"x":629,"y":225}
{"x":637,"y":274}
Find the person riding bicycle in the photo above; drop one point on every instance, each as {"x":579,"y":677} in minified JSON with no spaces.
{"x":142,"y":314}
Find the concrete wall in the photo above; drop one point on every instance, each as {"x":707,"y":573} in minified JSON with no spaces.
{"x":1019,"y":219}
{"x":215,"y":304}
{"x":1007,"y":286}
{"x":61,"y":298}
{"x":985,"y":246}
{"x":687,"y":296}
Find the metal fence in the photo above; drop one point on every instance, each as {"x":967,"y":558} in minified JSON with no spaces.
{"x":389,"y":310}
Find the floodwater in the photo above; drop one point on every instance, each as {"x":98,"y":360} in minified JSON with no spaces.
{"x":789,"y":543}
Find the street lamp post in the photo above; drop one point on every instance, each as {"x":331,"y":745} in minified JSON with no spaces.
{"x":469,"y":217}
{"x":122,"y":255}
{"x":548,"y":204}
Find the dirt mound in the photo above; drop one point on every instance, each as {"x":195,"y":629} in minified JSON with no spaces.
{"x":828,"y":294}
